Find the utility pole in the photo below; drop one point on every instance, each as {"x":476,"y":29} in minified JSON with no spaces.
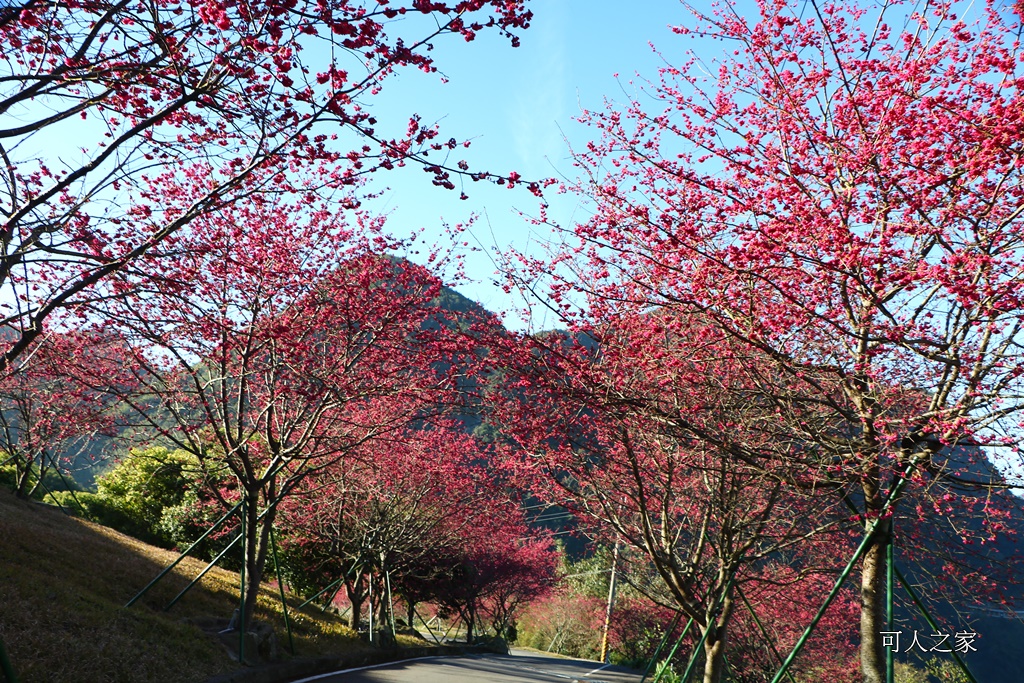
{"x":611,"y":603}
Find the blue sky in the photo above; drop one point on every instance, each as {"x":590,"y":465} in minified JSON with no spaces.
{"x":518,"y":105}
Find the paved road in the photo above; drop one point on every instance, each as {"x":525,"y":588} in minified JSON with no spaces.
{"x":519,"y":667}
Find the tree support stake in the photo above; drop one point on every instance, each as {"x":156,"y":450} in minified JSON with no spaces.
{"x":5,"y":665}
{"x":931,"y":622}
{"x":865,"y":543}
{"x":890,"y":666}
{"x":455,"y":623}
{"x":391,"y":605}
{"x":672,"y":652}
{"x":321,"y":592}
{"x":425,"y":624}
{"x":203,"y":573}
{"x":664,"y":639}
{"x":280,"y":586}
{"x":767,"y":638}
{"x":181,"y":557}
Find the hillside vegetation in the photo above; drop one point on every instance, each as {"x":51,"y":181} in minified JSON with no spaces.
{"x":63,"y":585}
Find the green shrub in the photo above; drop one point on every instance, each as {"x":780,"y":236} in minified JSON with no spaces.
{"x":183,"y":524}
{"x":93,"y":507}
{"x":136,"y":494}
{"x":666,"y":673}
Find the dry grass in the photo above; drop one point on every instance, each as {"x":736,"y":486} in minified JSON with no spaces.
{"x":63,"y":586}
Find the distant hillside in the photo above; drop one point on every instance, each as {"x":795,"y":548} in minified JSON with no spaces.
{"x":1000,"y":628}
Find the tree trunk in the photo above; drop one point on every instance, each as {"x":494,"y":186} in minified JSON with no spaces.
{"x":383,"y":613}
{"x":45,"y":463}
{"x":714,"y":660}
{"x":35,"y":487}
{"x":714,"y":646}
{"x":357,"y":613}
{"x":24,"y":476}
{"x":356,"y":597}
{"x":470,"y":621}
{"x":257,"y":542}
{"x":872,"y":607}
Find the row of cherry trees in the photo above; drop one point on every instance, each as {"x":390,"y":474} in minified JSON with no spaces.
{"x":196,"y":263}
{"x":600,"y":419}
{"x":130,"y":128}
{"x":420,"y":515}
{"x":799,"y":290}
{"x":318,"y":381}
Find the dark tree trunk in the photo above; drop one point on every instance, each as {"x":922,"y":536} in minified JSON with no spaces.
{"x":714,"y":646}
{"x":356,"y":598}
{"x":257,"y":543}
{"x":872,"y":607}
{"x":355,"y":589}
{"x":21,"y":489}
{"x":383,"y":613}
{"x":470,"y":623}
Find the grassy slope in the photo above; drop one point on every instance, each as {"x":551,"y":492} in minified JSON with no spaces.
{"x":63,"y":584}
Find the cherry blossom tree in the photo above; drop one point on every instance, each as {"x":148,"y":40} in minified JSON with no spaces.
{"x":272,"y":354}
{"x":495,"y":571}
{"x":49,"y":411}
{"x":393,"y":507}
{"x":528,"y":574}
{"x":840,"y":193}
{"x":406,"y":512}
{"x":640,"y":428}
{"x":125,"y":120}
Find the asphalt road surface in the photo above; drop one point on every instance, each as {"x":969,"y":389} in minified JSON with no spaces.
{"x":518,"y":667}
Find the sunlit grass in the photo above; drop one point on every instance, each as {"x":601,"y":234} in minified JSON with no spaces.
{"x":63,"y":586}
